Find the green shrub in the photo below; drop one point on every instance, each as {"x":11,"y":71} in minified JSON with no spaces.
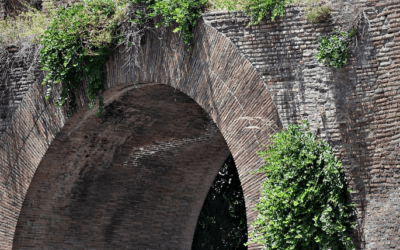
{"x":260,"y":9}
{"x":304,"y":197}
{"x":184,"y":12}
{"x":76,"y":46}
{"x":334,"y":50}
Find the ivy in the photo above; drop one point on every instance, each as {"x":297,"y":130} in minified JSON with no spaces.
{"x":304,"y":196}
{"x":76,"y":46}
{"x":334,"y":50}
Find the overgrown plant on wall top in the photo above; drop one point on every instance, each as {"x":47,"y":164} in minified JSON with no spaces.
{"x":334,"y":50}
{"x":77,"y":43}
{"x":304,"y":198}
{"x":78,"y":39}
{"x":76,"y":46}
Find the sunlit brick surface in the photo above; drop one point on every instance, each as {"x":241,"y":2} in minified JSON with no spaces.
{"x":237,"y":73}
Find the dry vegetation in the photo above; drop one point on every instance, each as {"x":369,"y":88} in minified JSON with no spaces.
{"x":28,"y":26}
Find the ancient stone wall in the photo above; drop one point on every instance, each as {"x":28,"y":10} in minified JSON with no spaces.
{"x":133,"y":178}
{"x":36,"y":121}
{"x":238,"y":74}
{"x":355,"y":109}
{"x":16,"y":76}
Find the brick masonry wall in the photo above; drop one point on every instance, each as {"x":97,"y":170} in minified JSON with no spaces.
{"x":16,"y":78}
{"x":225,"y":84}
{"x":355,"y":109}
{"x":268,"y":71}
{"x":36,"y":122}
{"x":135,"y":177}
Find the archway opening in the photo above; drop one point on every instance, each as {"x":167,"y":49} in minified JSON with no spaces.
{"x":135,"y":178}
{"x":222,"y":221}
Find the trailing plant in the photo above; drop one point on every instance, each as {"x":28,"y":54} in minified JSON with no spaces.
{"x":186,"y":12}
{"x":76,"y":46}
{"x":304,"y":196}
{"x":334,"y":50}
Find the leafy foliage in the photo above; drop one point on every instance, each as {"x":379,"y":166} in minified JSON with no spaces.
{"x":334,"y":50}
{"x":76,"y":46}
{"x":222,"y":221}
{"x":184,"y":12}
{"x":256,"y":9}
{"x":260,"y":9}
{"x":304,"y":197}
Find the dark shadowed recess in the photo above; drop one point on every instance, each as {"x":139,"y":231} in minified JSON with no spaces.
{"x":222,"y":221}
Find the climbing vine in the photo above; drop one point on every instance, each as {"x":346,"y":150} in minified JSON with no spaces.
{"x":76,"y":46}
{"x":304,"y":197}
{"x":78,"y":41}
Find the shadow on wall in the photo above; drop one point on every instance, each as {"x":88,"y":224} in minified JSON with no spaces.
{"x":135,"y":176}
{"x":355,"y":120}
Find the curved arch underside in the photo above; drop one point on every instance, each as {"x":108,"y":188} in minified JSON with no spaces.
{"x":135,"y":177}
{"x":215,"y":74}
{"x":355,"y":108}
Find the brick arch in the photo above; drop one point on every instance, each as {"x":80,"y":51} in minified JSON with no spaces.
{"x":135,"y":177}
{"x":214,"y":74}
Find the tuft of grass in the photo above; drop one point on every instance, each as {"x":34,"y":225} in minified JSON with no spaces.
{"x":315,"y":10}
{"x":28,"y":26}
{"x":229,"y":5}
{"x":317,"y":13}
